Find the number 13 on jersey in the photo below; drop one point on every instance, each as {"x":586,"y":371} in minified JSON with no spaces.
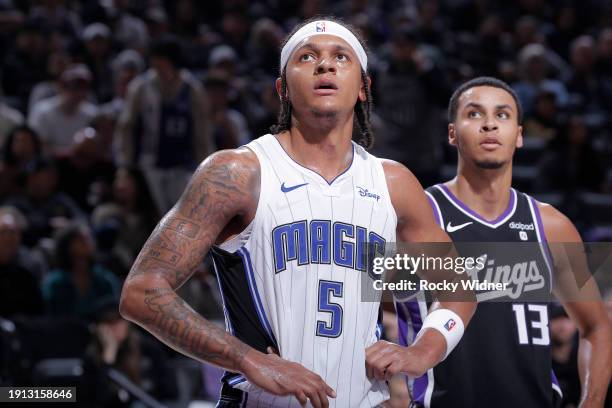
{"x":540,"y":324}
{"x":327,"y":291}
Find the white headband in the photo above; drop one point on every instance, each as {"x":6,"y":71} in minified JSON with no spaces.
{"x":323,"y":27}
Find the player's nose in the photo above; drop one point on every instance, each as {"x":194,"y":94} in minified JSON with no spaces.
{"x":325,"y":65}
{"x":489,"y":125}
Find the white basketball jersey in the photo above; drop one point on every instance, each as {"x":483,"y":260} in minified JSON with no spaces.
{"x":293,"y":278}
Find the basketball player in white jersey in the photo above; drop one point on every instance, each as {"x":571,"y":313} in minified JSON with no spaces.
{"x":286,"y":219}
{"x":504,"y":358}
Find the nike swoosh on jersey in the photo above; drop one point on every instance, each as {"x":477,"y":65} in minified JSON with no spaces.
{"x":453,"y":228}
{"x":291,"y":188}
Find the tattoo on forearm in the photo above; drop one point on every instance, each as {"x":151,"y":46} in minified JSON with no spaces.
{"x":174,"y":321}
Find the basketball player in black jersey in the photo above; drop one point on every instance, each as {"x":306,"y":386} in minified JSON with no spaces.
{"x":504,"y":357}
{"x":324,"y":89}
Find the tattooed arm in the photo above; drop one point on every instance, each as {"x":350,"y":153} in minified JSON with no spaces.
{"x":219,"y":201}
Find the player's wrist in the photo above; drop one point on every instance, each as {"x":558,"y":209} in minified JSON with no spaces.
{"x":425,"y":353}
{"x":448,"y":324}
{"x":251,"y":362}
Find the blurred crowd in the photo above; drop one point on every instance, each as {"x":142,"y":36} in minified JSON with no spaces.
{"x":107,"y":107}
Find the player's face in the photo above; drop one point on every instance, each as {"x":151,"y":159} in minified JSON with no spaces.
{"x":486,"y":130}
{"x":323,"y":78}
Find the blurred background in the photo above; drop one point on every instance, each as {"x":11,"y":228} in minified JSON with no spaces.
{"x":107,"y":106}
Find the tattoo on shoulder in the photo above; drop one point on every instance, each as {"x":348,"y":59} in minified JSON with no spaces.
{"x":221,"y":188}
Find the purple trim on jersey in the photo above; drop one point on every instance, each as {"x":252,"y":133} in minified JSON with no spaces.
{"x":402,"y":325}
{"x":554,"y":377}
{"x":415,"y":315}
{"x":315,"y":172}
{"x":556,"y":382}
{"x":408,"y":312}
{"x":435,"y":210}
{"x":540,"y":224}
{"x":475,"y":214}
{"x":419,"y":388}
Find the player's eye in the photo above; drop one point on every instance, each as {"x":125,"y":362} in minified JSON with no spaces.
{"x":306,"y":57}
{"x":503,"y":115}
{"x":473,"y":114}
{"x":342,"y":57}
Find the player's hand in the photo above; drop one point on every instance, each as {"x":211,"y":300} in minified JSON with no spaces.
{"x":282,"y":377}
{"x":385,"y":359}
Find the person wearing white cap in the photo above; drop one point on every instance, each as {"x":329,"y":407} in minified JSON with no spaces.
{"x":286,"y":219}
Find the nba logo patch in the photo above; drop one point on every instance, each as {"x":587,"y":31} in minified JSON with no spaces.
{"x":320,"y":26}
{"x":523,"y":235}
{"x":450,"y":324}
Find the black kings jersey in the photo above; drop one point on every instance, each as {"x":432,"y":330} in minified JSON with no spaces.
{"x":504,"y":357}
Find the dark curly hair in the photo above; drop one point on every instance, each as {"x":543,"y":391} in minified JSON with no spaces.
{"x":363,"y":110}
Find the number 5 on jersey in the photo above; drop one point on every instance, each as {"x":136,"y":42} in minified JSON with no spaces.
{"x":327,"y":291}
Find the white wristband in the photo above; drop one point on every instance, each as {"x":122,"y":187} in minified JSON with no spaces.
{"x":448,"y":323}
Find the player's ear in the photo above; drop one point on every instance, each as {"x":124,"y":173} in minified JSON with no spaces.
{"x":452,"y":135}
{"x":362,"y":91}
{"x":519,"y":139}
{"x":279,"y":89}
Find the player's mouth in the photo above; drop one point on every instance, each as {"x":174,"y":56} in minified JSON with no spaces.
{"x":325,"y":87}
{"x":490,"y":143}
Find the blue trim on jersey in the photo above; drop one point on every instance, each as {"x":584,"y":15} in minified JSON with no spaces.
{"x":228,"y":322}
{"x":248,"y":266}
{"x":236,"y":380}
{"x":378,"y":331}
{"x":329,"y":183}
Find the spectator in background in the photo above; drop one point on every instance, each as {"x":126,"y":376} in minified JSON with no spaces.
{"x":57,"y":63}
{"x":129,"y":218}
{"x":10,"y":118}
{"x":41,"y":203}
{"x":19,"y":273}
{"x":570,"y":164}
{"x":53,"y":15}
{"x":229,"y":127}
{"x":156,"y":21}
{"x":77,"y":283}
{"x":128,"y":30}
{"x":57,"y":119}
{"x":604,"y":65}
{"x":533,"y":71}
{"x":24,"y":66}
{"x":118,"y":346}
{"x":86,"y":173}
{"x":411,"y":91}
{"x":235,"y":28}
{"x":563,"y":336}
{"x":268,"y":107}
{"x":20,"y":147}
{"x":264,"y":47}
{"x":544,"y":122}
{"x":164,"y":127}
{"x":97,"y":55}
{"x":584,"y":85}
{"x":126,"y":66}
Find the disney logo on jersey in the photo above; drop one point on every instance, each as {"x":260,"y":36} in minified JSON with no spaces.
{"x":520,"y":277}
{"x":521,"y":226}
{"x":364,"y":192}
